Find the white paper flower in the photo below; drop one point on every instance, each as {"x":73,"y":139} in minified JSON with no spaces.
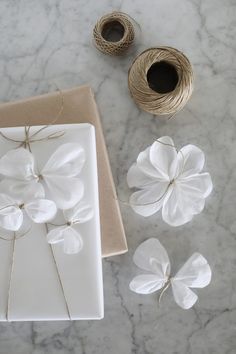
{"x":68,"y":234}
{"x":12,"y":210}
{"x":151,"y":256}
{"x":59,"y":175}
{"x":169,"y":180}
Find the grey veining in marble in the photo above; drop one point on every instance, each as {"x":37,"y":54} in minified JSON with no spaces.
{"x":49,"y":41}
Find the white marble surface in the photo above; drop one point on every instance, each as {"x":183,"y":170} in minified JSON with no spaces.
{"x":48,"y":42}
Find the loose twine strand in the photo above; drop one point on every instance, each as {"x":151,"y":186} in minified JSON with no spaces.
{"x":150,"y":100}
{"x":26,"y":143}
{"x":121,"y":46}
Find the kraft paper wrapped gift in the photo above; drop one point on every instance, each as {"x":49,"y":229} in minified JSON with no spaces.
{"x":79,"y":107}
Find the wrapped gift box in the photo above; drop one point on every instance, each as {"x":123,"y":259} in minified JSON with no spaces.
{"x":79,"y":107}
{"x":38,"y":281}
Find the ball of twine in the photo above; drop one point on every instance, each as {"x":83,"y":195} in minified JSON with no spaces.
{"x":115,"y":21}
{"x":149,"y":95}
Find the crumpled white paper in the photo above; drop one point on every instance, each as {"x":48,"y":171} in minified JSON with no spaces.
{"x":68,"y":234}
{"x":169,"y":180}
{"x":59,"y":174}
{"x":152,"y":257}
{"x":13,"y":211}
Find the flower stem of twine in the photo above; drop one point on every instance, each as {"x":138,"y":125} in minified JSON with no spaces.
{"x":163,"y":290}
{"x":11,"y":273}
{"x":10,"y":278}
{"x":59,"y":277}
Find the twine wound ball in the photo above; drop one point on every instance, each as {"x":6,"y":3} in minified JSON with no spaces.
{"x":161,"y":80}
{"x":114,"y":33}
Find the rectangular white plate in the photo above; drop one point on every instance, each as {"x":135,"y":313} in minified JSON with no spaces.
{"x":36,"y":292}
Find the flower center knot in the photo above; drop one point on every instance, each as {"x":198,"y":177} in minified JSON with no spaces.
{"x":172,"y":182}
{"x":21,"y":206}
{"x":38,"y":177}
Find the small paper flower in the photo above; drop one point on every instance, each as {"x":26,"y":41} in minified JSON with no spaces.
{"x":169,"y":180}
{"x":59,"y":174}
{"x":12,"y":211}
{"x":151,"y":256}
{"x":72,"y":240}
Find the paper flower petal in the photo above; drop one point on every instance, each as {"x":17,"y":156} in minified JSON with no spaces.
{"x":22,"y":190}
{"x":66,"y":161}
{"x":191,"y":160}
{"x":163,"y":157}
{"x":80,"y":213}
{"x":198,"y":185}
{"x":57,"y":234}
{"x":145,"y":165}
{"x":195,"y":273}
{"x":73,"y":242}
{"x":11,"y":216}
{"x":148,"y":201}
{"x":64,"y":191}
{"x":186,"y":198}
{"x":146,"y":284}
{"x":18,"y":164}
{"x":152,"y":256}
{"x":139,"y":179}
{"x":183,"y":296}
{"x":41,"y":210}
{"x":173,"y":211}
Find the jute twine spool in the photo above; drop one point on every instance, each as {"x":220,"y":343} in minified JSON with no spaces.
{"x":161,"y":80}
{"x":114,"y":33}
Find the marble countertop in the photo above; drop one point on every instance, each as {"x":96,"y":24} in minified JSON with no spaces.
{"x":48,"y":42}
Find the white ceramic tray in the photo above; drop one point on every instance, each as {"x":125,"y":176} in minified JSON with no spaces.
{"x":36,"y":292}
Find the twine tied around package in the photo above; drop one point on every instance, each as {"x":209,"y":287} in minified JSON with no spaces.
{"x":160,"y":80}
{"x":33,"y":138}
{"x":114,"y":33}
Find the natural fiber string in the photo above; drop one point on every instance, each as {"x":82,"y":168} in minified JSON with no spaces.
{"x":58,"y":275}
{"x":10,"y":278}
{"x":32,"y":138}
{"x":68,"y":223}
{"x":16,"y":237}
{"x":163,"y":290}
{"x":112,"y":47}
{"x":160,"y":103}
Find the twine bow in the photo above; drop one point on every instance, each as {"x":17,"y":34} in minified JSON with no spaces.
{"x":32,"y":138}
{"x":29,"y":139}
